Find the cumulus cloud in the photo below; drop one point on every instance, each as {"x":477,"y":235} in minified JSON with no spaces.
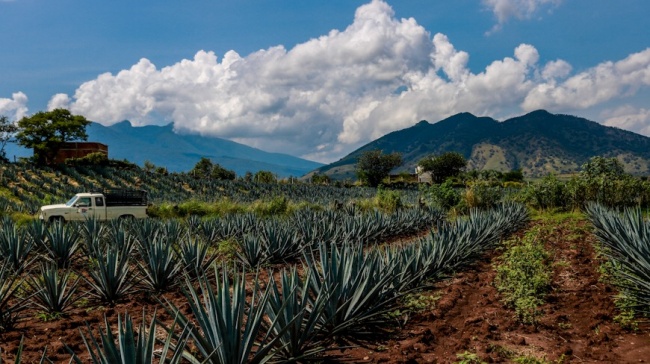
{"x":503,"y":10}
{"x":15,"y":107}
{"x":328,"y":95}
{"x":596,"y":85}
{"x":630,"y":118}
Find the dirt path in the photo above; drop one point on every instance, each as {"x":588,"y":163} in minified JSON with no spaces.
{"x":577,"y":325}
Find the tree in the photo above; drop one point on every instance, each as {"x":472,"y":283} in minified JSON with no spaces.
{"x":441,"y":167}
{"x":45,"y":132}
{"x":264,"y":177}
{"x":218,"y":172}
{"x":7,"y":131}
{"x":320,"y":179}
{"x":373,"y":166}
{"x":605,"y":167}
{"x":204,"y":168}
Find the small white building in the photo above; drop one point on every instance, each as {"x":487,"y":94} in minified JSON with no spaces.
{"x":423,"y":177}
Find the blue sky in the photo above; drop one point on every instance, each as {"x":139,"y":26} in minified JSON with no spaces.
{"x":317,"y":79}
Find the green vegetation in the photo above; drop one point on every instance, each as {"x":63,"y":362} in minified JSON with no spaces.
{"x":373,"y":166}
{"x":524,"y":275}
{"x":46,"y":131}
{"x":623,"y":236}
{"x":7,"y":131}
{"x":443,"y":166}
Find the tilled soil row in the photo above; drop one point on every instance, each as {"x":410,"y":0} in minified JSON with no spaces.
{"x":577,"y":324}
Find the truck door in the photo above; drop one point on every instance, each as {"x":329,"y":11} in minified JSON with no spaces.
{"x":100,"y":208}
{"x":83,"y":208}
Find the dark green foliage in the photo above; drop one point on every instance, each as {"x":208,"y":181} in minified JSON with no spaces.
{"x":15,"y":246}
{"x":111,"y":277}
{"x":443,"y":166}
{"x":320,"y":179}
{"x":7,"y":131}
{"x":11,"y":303}
{"x":53,"y":292}
{"x":228,"y":328}
{"x":443,"y":195}
{"x":204,"y":168}
{"x":625,"y":237}
{"x":62,"y":243}
{"x":264,"y":177}
{"x":373,"y":166}
{"x":46,"y":131}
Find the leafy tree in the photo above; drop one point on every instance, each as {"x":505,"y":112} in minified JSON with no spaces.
{"x":264,"y":177}
{"x":516,"y":175}
{"x":441,"y":167}
{"x":602,"y":167}
{"x":149,"y":166}
{"x":204,"y":168}
{"x":320,"y":179}
{"x":45,"y":132}
{"x":7,"y":131}
{"x":373,"y":166}
{"x":218,"y":172}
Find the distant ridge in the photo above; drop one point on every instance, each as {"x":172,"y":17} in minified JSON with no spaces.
{"x":538,"y":142}
{"x":180,"y":152}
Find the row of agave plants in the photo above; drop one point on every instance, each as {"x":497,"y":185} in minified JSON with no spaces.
{"x":625,"y":237}
{"x":344,"y":288}
{"x":31,"y":186}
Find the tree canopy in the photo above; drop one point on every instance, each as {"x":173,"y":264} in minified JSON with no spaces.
{"x":7,"y":131}
{"x":373,"y":166}
{"x":45,"y":132}
{"x":443,"y":166}
{"x":204,"y":168}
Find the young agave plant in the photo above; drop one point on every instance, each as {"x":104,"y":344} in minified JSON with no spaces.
{"x":160,"y":265}
{"x":229,"y":330}
{"x":62,"y":242}
{"x":131,"y":346}
{"x":10,"y":303}
{"x":195,"y":256}
{"x":52,"y":291}
{"x":92,"y":231}
{"x":297,"y":311}
{"x":15,"y":246}
{"x":111,"y":277}
{"x":37,"y":230}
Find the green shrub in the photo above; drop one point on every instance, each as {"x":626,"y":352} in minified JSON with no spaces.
{"x":524,"y":276}
{"x":389,"y":200}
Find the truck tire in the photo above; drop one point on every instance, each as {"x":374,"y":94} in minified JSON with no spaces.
{"x":54,"y":219}
{"x":126,"y":217}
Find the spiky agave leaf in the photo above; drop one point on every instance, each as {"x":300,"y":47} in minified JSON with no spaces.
{"x":111,"y":277}
{"x":131,"y":346}
{"x":297,"y":311}
{"x":228,"y":328}
{"x":52,"y":291}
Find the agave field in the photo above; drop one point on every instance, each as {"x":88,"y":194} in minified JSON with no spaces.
{"x":319,"y":282}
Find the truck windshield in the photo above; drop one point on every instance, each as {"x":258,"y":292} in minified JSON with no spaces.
{"x":71,"y":202}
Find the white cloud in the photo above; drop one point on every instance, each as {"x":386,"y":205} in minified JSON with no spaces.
{"x":326,"y":96}
{"x":630,"y":118}
{"x":596,"y":85}
{"x":504,"y":10}
{"x":15,"y":107}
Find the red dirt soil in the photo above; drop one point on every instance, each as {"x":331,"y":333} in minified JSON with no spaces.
{"x":577,"y":325}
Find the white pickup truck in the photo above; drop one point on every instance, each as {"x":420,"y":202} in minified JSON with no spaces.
{"x":113,"y":204}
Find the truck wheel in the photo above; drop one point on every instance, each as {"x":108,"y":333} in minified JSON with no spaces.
{"x":127,"y":217}
{"x":54,"y":219}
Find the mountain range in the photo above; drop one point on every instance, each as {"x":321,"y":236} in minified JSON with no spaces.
{"x":538,"y":143}
{"x":180,"y":152}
